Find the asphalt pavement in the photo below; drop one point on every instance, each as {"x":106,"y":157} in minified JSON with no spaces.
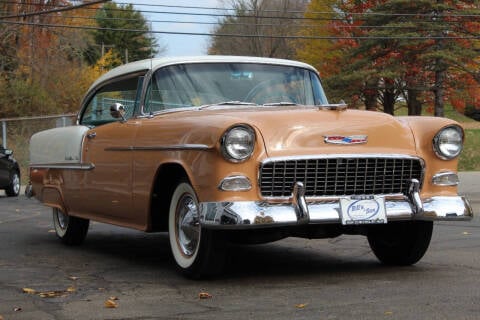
{"x":125,"y":274}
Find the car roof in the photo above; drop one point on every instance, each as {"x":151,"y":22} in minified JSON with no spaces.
{"x":155,"y":63}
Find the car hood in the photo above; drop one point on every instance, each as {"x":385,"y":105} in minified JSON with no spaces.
{"x":288,"y":131}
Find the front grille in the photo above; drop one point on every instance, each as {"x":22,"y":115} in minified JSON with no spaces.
{"x":339,"y":176}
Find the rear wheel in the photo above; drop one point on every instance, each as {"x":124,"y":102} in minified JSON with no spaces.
{"x":198,"y":252}
{"x":400,"y":243}
{"x":71,"y":230}
{"x":13,"y":189}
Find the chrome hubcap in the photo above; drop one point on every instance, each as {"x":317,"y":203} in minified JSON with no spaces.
{"x":62,"y":220}
{"x":16,"y":183}
{"x":188,"y":226}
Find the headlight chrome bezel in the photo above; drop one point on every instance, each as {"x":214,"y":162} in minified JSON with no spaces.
{"x":227,"y":144}
{"x":442,"y":139}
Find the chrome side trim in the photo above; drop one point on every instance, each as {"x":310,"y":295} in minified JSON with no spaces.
{"x":68,"y":166}
{"x":175,"y":147}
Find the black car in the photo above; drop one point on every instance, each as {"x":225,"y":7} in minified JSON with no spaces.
{"x":9,"y":173}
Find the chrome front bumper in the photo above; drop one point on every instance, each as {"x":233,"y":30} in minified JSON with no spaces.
{"x":249,"y":214}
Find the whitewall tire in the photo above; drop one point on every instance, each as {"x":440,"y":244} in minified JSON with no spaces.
{"x":71,"y":230}
{"x":197,"y":252}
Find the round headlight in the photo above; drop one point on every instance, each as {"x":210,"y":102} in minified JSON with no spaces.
{"x":238,"y":143}
{"x":448,"y":142}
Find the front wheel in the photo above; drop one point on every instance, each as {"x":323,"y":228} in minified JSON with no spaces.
{"x":13,"y":189}
{"x":197,"y":251}
{"x":400,"y":243}
{"x":71,"y":230}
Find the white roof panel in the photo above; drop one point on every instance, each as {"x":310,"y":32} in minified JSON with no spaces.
{"x":156,"y":63}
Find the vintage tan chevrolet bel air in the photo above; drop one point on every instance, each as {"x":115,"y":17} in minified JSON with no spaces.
{"x":222,"y":149}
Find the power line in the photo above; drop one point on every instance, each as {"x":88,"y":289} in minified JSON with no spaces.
{"x":63,"y":8}
{"x":246,"y":24}
{"x":419,"y":15}
{"x":46,"y":25}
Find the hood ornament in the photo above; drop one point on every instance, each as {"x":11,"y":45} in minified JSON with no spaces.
{"x":357,"y":139}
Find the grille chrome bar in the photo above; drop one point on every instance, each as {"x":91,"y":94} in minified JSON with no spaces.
{"x":340,"y":175}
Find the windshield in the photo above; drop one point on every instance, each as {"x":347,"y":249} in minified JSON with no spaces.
{"x":200,"y":84}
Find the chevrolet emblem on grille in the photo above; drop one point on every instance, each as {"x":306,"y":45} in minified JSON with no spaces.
{"x":346,"y":139}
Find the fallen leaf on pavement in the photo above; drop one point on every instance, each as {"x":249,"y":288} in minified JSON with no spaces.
{"x":49,"y":294}
{"x":301,"y":305}
{"x":110,"y":304}
{"x":204,"y":295}
{"x":388,"y":313}
{"x":52,"y":294}
{"x":29,"y":290}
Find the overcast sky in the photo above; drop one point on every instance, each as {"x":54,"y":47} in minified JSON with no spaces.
{"x":179,"y":45}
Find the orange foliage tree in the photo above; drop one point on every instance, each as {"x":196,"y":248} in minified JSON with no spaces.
{"x":44,"y":72}
{"x":417,"y":51}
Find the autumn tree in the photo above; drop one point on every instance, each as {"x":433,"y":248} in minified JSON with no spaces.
{"x":43,"y":71}
{"x":414,"y":49}
{"x":258,"y":28}
{"x":318,"y":48}
{"x":125,"y":31}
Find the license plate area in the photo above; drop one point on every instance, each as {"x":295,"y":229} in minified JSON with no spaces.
{"x":363,"y":210}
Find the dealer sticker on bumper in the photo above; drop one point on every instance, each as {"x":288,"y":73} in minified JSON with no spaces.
{"x":363,"y":210}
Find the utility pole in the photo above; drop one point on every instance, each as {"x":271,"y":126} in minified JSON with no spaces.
{"x":440,"y":69}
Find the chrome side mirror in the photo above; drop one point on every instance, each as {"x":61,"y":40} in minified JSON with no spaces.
{"x":117,"y":111}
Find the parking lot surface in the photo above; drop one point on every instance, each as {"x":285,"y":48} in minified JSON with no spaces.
{"x":125,"y":274}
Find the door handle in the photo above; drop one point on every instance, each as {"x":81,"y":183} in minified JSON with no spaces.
{"x":91,"y":135}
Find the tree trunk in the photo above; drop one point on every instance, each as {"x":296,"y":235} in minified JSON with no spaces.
{"x":413,"y":104}
{"x":371,"y":94}
{"x":389,"y":97}
{"x":438,"y":89}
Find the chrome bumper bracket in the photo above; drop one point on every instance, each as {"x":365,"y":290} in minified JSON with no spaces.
{"x":300,"y":204}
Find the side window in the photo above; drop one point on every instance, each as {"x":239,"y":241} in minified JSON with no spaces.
{"x":97,"y":111}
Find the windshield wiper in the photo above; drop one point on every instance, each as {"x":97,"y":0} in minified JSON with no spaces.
{"x":229,"y":103}
{"x":283,"y":103}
